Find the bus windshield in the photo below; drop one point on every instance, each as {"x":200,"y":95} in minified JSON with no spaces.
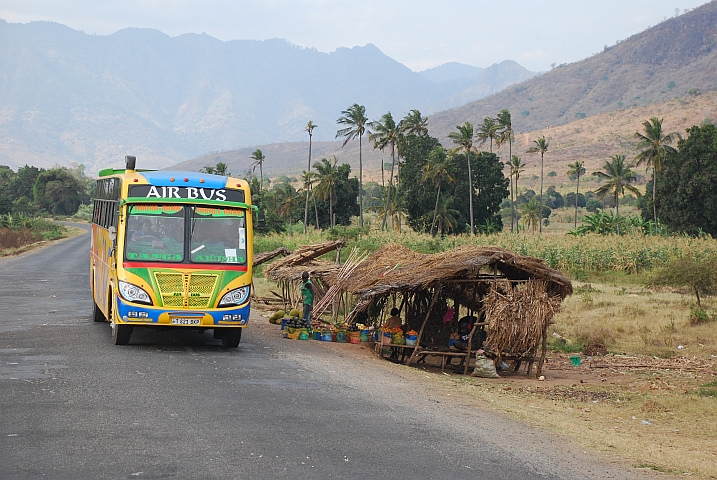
{"x":218,"y":235}
{"x":157,"y":233}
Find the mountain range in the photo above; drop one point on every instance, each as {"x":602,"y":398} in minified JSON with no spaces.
{"x":66,"y":96}
{"x":588,"y":110}
{"x":677,"y":57}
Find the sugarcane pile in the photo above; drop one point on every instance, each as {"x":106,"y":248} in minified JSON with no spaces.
{"x":518,"y":317}
{"x":355,"y":259}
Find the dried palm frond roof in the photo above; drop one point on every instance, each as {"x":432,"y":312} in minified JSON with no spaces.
{"x":394,"y":268}
{"x":305,"y":259}
{"x":264,"y":257}
{"x":320,"y":269}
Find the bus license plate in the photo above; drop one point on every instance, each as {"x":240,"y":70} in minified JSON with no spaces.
{"x":186,"y":321}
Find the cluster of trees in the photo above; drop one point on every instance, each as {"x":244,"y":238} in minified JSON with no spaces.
{"x":433,"y":188}
{"x":33,"y":191}
{"x":684,"y":185}
{"x":436,"y":189}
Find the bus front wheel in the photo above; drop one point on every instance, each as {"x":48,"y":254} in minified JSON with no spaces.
{"x":121,"y":333}
{"x":231,"y":338}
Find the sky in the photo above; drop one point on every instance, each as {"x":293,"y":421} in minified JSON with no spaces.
{"x":417,"y":33}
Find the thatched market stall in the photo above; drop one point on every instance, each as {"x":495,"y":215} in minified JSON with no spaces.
{"x":287,"y":271}
{"x":513,"y":298}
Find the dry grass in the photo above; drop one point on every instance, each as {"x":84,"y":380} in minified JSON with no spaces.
{"x":636,"y":321}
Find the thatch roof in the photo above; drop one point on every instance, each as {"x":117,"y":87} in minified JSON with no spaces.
{"x":305,"y":259}
{"x":264,"y":257}
{"x":394,"y":268}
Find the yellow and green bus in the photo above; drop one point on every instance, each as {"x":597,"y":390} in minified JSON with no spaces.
{"x":171,"y":249}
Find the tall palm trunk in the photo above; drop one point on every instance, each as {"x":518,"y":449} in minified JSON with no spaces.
{"x":306,"y":206}
{"x":388,"y":193}
{"x":360,"y":182}
{"x":540,"y":214}
{"x":654,"y":195}
{"x":513,"y":218}
{"x":331,"y":207}
{"x":435,"y":210}
{"x":617,"y":214}
{"x":577,"y":192}
{"x":470,"y":190}
{"x":316,"y":215}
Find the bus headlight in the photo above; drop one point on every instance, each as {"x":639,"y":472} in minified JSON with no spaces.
{"x":132,"y":293}
{"x":235,"y":297}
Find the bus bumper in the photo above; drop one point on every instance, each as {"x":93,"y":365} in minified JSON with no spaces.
{"x":134,"y":314}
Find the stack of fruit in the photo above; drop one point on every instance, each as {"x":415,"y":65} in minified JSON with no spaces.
{"x":276,"y":317}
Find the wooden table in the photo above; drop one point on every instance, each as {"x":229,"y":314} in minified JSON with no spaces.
{"x":403,"y":350}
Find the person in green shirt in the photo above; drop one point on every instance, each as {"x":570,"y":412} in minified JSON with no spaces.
{"x":307,"y":293}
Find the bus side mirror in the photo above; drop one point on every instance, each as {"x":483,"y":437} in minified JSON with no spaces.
{"x":260,"y":219}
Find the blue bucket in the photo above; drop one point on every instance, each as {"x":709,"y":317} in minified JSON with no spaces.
{"x":326,"y":336}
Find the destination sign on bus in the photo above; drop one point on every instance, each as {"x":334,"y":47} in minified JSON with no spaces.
{"x":190,"y":193}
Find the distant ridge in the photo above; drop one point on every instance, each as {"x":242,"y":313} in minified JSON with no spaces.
{"x":493,"y":79}
{"x":669,"y":60}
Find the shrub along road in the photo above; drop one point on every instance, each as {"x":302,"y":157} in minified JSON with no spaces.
{"x":177,"y":405}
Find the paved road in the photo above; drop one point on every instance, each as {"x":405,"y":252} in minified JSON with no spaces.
{"x":178,"y":405}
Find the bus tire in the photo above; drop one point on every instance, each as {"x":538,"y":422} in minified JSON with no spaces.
{"x":231,"y":338}
{"x":121,"y":333}
{"x":97,"y":314}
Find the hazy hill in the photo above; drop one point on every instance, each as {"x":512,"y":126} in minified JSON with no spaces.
{"x":489,"y":81}
{"x":66,"y":96}
{"x":458,"y":76}
{"x":663,"y":62}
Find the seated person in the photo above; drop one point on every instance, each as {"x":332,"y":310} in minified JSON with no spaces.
{"x":465,"y":325}
{"x":146,"y":231}
{"x":394,"y":320}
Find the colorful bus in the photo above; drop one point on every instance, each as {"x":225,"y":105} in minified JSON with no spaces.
{"x":171,"y":249}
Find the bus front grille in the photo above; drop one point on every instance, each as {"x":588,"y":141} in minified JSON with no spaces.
{"x":193,"y":290}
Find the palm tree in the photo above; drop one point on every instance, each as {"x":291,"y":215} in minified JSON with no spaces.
{"x":437,"y":171}
{"x":487,"y":131}
{"x":446,"y":215}
{"x":258,"y":158}
{"x":309,"y":178}
{"x":541,"y":147}
{"x":222,"y":169}
{"x":288,"y":199}
{"x":531,"y":213}
{"x":505,"y":130}
{"x":386,"y":134}
{"x":356,"y":126}
{"x":327,"y":175}
{"x":464,"y":139}
{"x":310,"y":130}
{"x":655,"y":147}
{"x":577,"y":168}
{"x":414,"y":124}
{"x":516,"y":168}
{"x":619,"y":177}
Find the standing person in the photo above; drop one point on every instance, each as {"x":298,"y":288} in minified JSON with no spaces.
{"x":307,"y":293}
